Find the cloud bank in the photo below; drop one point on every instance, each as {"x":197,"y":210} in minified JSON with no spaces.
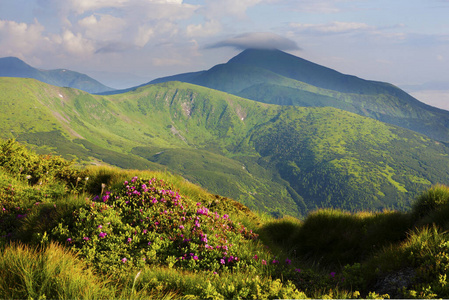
{"x":257,"y":40}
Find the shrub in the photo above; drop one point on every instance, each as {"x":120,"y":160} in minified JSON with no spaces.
{"x":27,"y":165}
{"x":146,"y":222}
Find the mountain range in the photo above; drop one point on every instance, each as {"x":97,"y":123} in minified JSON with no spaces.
{"x":77,"y":230}
{"x":14,"y":67}
{"x":276,"y":77}
{"x":273,"y":158}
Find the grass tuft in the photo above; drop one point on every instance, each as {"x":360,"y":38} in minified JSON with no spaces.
{"x":53,"y":272}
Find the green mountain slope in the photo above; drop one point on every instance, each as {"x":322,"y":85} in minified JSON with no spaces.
{"x":273,"y":76}
{"x":281,"y":159}
{"x":14,"y":67}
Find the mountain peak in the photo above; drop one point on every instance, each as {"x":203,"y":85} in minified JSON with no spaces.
{"x":14,"y":67}
{"x":10,"y":66}
{"x":256,"y":53}
{"x":11,"y":59}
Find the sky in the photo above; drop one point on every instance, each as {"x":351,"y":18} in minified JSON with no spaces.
{"x":124,"y":43}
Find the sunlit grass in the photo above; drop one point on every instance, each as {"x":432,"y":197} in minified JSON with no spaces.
{"x":52,"y":272}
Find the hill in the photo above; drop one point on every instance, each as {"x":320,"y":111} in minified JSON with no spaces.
{"x":279,"y":159}
{"x":102,"y":232}
{"x":276,"y":77}
{"x":14,"y":67}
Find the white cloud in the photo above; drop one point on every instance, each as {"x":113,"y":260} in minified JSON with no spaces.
{"x":214,"y":9}
{"x":133,"y":23}
{"x":144,"y":33}
{"x":258,"y":40}
{"x":81,"y":6}
{"x":208,"y":28}
{"x":176,"y":54}
{"x":76,"y":44}
{"x":330,"y":28}
{"x":315,"y":6}
{"x":19,"y":39}
{"x":102,"y":27}
{"x":32,"y":43}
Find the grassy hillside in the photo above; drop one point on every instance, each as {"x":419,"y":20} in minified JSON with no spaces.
{"x":279,"y":159}
{"x":102,"y":232}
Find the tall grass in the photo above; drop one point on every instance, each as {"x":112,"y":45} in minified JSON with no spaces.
{"x":432,"y":207}
{"x":168,"y":283}
{"x":53,"y":272}
{"x":334,"y":237}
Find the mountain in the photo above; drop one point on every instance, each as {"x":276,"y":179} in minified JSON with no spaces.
{"x":276,"y":77}
{"x":14,"y":67}
{"x":278,"y":159}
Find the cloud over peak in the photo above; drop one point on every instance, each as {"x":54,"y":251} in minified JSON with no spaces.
{"x":257,"y":40}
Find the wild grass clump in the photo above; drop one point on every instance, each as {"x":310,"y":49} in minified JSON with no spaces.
{"x":432,"y":207}
{"x":53,"y":272}
{"x":335,"y":238}
{"x":432,"y":199}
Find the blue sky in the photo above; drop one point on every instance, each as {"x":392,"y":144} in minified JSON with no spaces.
{"x":123,"y":43}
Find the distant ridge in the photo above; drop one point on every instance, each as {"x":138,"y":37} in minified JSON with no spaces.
{"x":14,"y":67}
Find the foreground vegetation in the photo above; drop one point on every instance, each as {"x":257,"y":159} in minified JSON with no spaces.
{"x":102,"y":232}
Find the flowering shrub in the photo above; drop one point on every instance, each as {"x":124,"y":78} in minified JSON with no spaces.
{"x":147,"y":222}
